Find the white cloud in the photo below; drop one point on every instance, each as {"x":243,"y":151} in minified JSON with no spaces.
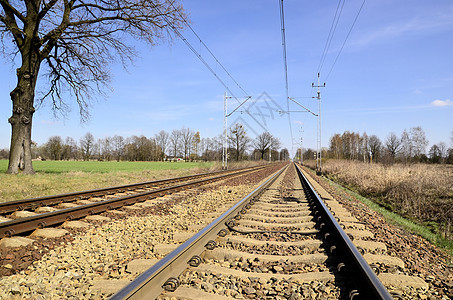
{"x":298,"y":122}
{"x":440,"y":103}
{"x":427,"y":24}
{"x":418,"y":92}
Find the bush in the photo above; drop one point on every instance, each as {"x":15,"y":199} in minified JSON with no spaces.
{"x":421,"y":192}
{"x":4,"y":154}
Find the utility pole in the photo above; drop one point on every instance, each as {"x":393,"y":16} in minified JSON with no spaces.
{"x":301,"y":149}
{"x":225,"y":127}
{"x":225,"y":135}
{"x":270,"y":154}
{"x":301,"y":146}
{"x":301,"y":152}
{"x":318,"y":157}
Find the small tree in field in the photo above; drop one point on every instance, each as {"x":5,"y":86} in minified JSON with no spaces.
{"x":239,"y":140}
{"x":73,"y":42}
{"x":87,"y":146}
{"x":265,"y":142}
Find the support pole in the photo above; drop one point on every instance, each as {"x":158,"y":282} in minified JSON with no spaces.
{"x":270,"y":154}
{"x":319,"y":146}
{"x":225,"y":135}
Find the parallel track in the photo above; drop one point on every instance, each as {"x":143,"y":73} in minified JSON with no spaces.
{"x":143,"y":191}
{"x":34,"y":203}
{"x":242,"y":243}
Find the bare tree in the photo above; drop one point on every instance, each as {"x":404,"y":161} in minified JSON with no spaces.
{"x":336,"y":145}
{"x":87,"y":146}
{"x":73,"y":42}
{"x":239,"y":140}
{"x":393,"y":144}
{"x":443,"y":151}
{"x":211,"y":149}
{"x":70,"y":148}
{"x":196,"y":140}
{"x":106,"y":149}
{"x":118,"y":146}
{"x":265,"y":142}
{"x":284,"y":154}
{"x":434,"y":154}
{"x":186,"y":140}
{"x":365,"y":146}
{"x":375,"y":145}
{"x":162,"y":140}
{"x":175,"y":140}
{"x":407,"y":147}
{"x":419,"y":141}
{"x":54,"y":147}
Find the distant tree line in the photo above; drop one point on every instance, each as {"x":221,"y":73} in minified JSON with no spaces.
{"x":409,"y":147}
{"x":179,"y":144}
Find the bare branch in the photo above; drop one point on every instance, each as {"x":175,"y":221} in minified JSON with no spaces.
{"x":79,"y":39}
{"x":8,"y":8}
{"x":46,"y":9}
{"x":52,"y":37}
{"x":10,"y":23}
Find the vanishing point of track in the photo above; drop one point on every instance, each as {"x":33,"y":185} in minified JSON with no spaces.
{"x":281,"y":240}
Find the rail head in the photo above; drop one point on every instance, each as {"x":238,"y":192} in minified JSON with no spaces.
{"x":149,"y":284}
{"x":370,"y":287}
{"x":11,"y":206}
{"x":30,"y":223}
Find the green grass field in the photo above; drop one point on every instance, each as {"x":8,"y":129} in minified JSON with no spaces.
{"x":107,"y":166}
{"x":58,"y":177}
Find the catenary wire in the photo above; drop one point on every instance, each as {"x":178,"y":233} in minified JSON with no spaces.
{"x":200,"y":57}
{"x":332,"y":30}
{"x":349,"y":33}
{"x":209,"y":50}
{"x":285,"y":69}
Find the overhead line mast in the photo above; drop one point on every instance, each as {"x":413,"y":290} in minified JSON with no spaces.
{"x":318,"y":142}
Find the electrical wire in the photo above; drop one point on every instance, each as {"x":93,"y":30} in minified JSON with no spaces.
{"x":200,"y":57}
{"x":332,"y":30}
{"x":285,"y":69}
{"x":209,"y":50}
{"x":349,"y":33}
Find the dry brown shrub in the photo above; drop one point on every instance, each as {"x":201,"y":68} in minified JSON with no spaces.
{"x":419,"y":191}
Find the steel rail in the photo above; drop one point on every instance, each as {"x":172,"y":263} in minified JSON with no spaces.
{"x":27,"y":224}
{"x":11,"y":206}
{"x":368,"y":285}
{"x":150,"y":283}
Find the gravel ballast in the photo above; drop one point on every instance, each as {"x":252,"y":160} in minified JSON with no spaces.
{"x":91,"y":263}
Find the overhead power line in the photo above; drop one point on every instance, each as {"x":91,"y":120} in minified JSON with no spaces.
{"x":333,"y":27}
{"x":209,"y":50}
{"x":285,"y":69}
{"x":349,"y":33}
{"x":200,"y":57}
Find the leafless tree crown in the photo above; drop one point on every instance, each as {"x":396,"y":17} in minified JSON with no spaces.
{"x":77,"y":40}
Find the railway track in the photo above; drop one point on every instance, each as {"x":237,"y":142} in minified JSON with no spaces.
{"x":284,"y":240}
{"x":22,"y":216}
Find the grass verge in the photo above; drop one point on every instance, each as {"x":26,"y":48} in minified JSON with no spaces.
{"x":61,"y":166}
{"x":58,"y":177}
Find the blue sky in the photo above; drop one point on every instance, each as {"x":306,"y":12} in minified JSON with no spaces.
{"x":394,"y":72}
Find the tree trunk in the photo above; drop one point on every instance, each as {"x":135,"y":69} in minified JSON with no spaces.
{"x":21,"y":120}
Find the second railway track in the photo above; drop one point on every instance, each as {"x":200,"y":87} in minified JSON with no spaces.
{"x":17,"y":217}
{"x":278,"y":242}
